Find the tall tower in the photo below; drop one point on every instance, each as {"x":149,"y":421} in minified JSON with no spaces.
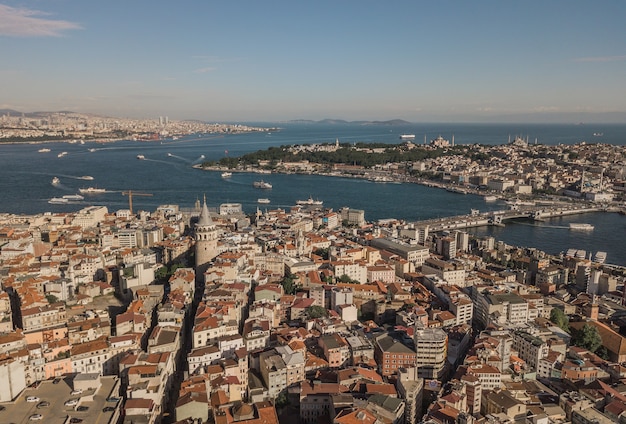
{"x":206,"y":242}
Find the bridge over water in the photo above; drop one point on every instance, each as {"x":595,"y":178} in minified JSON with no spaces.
{"x":499,"y":218}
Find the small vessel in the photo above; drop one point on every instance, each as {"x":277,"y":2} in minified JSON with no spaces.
{"x":92,"y":150}
{"x":227,"y":174}
{"x":73,"y":197}
{"x":407,"y":137}
{"x":170,"y":155}
{"x":598,"y":134}
{"x":490,"y":198}
{"x":58,"y":200}
{"x":263,"y":200}
{"x":60,"y":155}
{"x":262,"y":184}
{"x":44,"y":150}
{"x":141,"y":157}
{"x":92,"y":190}
{"x":56,"y":181}
{"x":86,"y":177}
{"x":310,"y":201}
{"x":580,"y":226}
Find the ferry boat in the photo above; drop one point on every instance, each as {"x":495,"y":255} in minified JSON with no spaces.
{"x":73,"y":197}
{"x":44,"y":150}
{"x":141,"y":157}
{"x":58,"y":200}
{"x":310,"y":202}
{"x":263,"y":200}
{"x":262,"y":184}
{"x":580,"y":226}
{"x":56,"y":181}
{"x":227,"y":174}
{"x":92,"y":190}
{"x":60,"y":155}
{"x":407,"y":137}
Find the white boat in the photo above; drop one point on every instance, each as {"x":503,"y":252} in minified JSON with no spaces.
{"x":490,"y":198}
{"x":58,"y":200}
{"x":60,"y":155}
{"x":86,"y":177}
{"x":227,"y":174}
{"x":407,"y":137}
{"x":310,"y":201}
{"x":92,"y":190}
{"x":170,"y":155}
{"x":92,"y":150}
{"x":263,"y":200}
{"x":73,"y":197}
{"x":262,"y":184}
{"x":580,"y":226}
{"x":56,"y":181}
{"x":44,"y":150}
{"x":141,"y":157}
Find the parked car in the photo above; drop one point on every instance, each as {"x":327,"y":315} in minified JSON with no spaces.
{"x":32,"y":399}
{"x":36,"y":417}
{"x":76,"y":392}
{"x":82,"y":408}
{"x":43,"y":404}
{"x":76,"y":420}
{"x":71,"y":402}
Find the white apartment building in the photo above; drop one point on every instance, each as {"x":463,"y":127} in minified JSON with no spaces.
{"x":431,"y":347}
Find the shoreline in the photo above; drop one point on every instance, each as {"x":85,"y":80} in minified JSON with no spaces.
{"x":393,"y":179}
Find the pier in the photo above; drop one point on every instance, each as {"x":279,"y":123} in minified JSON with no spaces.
{"x":499,"y":218}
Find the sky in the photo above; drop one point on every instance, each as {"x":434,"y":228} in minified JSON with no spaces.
{"x":271,"y":61}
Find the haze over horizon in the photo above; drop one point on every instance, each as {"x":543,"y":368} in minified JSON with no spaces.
{"x":447,"y":61}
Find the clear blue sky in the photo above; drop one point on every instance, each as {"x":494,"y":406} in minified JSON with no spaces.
{"x":447,"y":61}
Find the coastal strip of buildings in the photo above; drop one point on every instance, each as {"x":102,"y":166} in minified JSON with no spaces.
{"x":308,"y":314}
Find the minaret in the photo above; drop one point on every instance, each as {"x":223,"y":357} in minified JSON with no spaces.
{"x":206,"y":242}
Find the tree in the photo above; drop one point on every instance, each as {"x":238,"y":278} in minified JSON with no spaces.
{"x":161,"y":273}
{"x":559,"y":318}
{"x":51,"y":298}
{"x":323,"y":252}
{"x":316,"y":311}
{"x":289,"y":285}
{"x":588,"y":337}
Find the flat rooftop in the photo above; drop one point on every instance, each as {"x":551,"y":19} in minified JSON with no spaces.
{"x":19,"y":410}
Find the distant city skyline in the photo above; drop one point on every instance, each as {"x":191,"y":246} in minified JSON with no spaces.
{"x":446,"y":61}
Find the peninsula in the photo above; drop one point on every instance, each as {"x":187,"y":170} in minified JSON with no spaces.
{"x":590,"y":172}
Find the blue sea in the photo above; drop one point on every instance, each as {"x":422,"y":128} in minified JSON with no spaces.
{"x":167,"y":176}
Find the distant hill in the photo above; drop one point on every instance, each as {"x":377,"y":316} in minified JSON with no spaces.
{"x":37,"y":114}
{"x":341,"y":121}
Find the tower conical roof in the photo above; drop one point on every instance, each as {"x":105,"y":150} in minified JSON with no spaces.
{"x":205,"y":218}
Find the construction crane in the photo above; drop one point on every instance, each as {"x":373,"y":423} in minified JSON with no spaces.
{"x":130,"y":195}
